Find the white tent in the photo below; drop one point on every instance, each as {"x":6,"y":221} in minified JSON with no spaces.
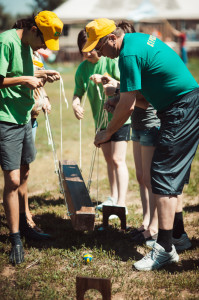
{"x":77,"y":11}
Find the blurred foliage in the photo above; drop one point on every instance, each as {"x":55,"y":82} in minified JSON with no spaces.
{"x":46,"y":4}
{"x":6,"y":20}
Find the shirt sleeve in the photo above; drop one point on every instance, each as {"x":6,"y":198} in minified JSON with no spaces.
{"x":130,"y":74}
{"x":4,"y":61}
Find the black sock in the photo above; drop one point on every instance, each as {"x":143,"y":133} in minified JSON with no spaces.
{"x":165,"y":239}
{"x":178,"y":225}
{"x":15,"y":238}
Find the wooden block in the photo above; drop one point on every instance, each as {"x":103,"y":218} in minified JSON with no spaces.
{"x":103,"y":285}
{"x":80,"y":206}
{"x":114,"y":210}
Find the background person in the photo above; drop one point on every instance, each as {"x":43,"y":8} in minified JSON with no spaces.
{"x":16,"y":101}
{"x":150,"y":66}
{"x":115,"y":149}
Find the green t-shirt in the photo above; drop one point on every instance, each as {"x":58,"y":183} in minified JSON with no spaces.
{"x":82,"y":83}
{"x":16,"y":102}
{"x":150,"y":66}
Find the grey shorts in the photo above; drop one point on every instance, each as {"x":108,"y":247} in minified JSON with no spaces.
{"x":16,"y":145}
{"x":177,"y":144}
{"x":147,"y":137}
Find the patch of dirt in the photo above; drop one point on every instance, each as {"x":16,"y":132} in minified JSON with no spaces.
{"x":8,"y":271}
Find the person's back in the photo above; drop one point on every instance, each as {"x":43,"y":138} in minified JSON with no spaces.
{"x":155,"y":69}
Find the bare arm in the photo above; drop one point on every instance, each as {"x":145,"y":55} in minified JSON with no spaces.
{"x":141,"y":101}
{"x":122,"y":112}
{"x":77,"y":108}
{"x":30,"y":82}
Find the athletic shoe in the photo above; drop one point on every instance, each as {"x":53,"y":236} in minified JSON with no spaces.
{"x":109,"y":202}
{"x":183,"y":243}
{"x":157,"y":258}
{"x":16,"y":254}
{"x":151,"y":243}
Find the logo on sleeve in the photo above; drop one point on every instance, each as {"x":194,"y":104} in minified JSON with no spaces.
{"x":151,"y":41}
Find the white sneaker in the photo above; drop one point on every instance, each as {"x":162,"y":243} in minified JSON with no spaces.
{"x":110,"y":202}
{"x":183,"y":243}
{"x":116,"y":217}
{"x":151,"y":243}
{"x":157,"y":258}
{"x":113,"y":217}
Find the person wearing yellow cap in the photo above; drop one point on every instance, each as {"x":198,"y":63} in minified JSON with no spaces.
{"x":17,"y":150}
{"x":148,"y":65}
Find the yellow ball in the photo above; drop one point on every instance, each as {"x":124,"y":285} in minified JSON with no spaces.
{"x":87,"y":257}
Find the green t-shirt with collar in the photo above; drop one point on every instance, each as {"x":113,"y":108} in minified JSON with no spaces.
{"x":83,"y":84}
{"x":16,"y":102}
{"x":147,"y":64}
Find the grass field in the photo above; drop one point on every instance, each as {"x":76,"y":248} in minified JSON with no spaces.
{"x":50,"y":268}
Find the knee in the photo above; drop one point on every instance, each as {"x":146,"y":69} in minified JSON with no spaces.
{"x":118,"y":161}
{"x":12,"y":183}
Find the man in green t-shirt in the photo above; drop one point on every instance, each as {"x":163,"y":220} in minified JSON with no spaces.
{"x":150,"y":66}
{"x":16,"y":101}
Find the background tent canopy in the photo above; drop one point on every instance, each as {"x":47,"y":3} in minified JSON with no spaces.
{"x":76,"y":11}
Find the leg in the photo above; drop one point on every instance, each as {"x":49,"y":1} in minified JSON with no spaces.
{"x":107,"y":151}
{"x":23,"y":190}
{"x":11,"y":206}
{"x":147,"y":155}
{"x":143,"y":190}
{"x":11,"y":200}
{"x":119,"y":157}
{"x":166,"y":206}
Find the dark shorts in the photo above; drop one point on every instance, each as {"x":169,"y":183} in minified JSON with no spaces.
{"x":147,"y":137}
{"x":177,"y":144}
{"x":16,"y":145}
{"x":123,"y":134}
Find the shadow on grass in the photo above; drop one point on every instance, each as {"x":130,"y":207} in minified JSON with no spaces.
{"x":65,"y":237}
{"x":191,"y":208}
{"x":42,"y":201}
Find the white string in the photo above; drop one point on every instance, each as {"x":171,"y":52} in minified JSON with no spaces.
{"x":51,"y":141}
{"x":62,"y":93}
{"x":103,"y":119}
{"x":80,"y":129}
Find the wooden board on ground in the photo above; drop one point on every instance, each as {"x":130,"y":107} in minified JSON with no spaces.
{"x":80,"y":206}
{"x":103,"y":285}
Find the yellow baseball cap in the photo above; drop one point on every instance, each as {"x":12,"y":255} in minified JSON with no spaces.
{"x":96,"y":30}
{"x":51,"y":27}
